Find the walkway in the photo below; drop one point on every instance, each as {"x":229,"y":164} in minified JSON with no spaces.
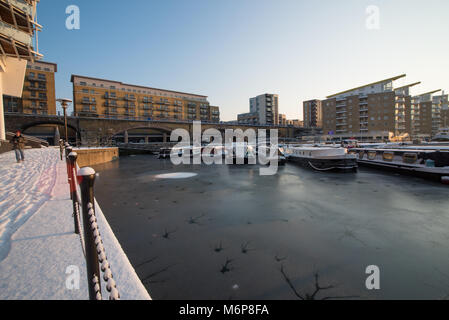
{"x":39,"y":252}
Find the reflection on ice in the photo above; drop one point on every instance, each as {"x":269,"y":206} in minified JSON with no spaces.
{"x":176,"y":175}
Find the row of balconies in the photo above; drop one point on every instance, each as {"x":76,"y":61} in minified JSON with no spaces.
{"x":31,"y":88}
{"x":40,"y":97}
{"x":38,"y":78}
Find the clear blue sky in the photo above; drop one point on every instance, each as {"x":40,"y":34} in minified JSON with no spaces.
{"x":232,"y":50}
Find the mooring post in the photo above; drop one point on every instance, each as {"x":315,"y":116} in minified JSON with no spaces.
{"x":76,"y":216}
{"x":86,"y":180}
{"x":68,"y":150}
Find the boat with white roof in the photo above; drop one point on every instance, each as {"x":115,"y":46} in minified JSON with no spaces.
{"x":322,"y":158}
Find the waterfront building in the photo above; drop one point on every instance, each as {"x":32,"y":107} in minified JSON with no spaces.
{"x":263,"y":110}
{"x":312,"y":114}
{"x":38,"y":94}
{"x":248,"y":118}
{"x":282,"y":119}
{"x":365,"y":111}
{"x":295,"y":123}
{"x":18,"y":25}
{"x":93,"y":97}
{"x":429,"y":113}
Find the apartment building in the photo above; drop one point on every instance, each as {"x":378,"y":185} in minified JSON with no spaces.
{"x":295,"y":123}
{"x":263,"y":110}
{"x":282,"y":119}
{"x":93,"y":97}
{"x":372,"y":110}
{"x":429,"y":113}
{"x":312,"y":114}
{"x":38,"y":95}
{"x":248,"y":118}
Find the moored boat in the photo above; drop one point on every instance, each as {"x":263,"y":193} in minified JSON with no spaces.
{"x":323,"y":158}
{"x":424,"y":163}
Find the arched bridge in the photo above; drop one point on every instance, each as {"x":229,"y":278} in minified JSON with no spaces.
{"x":93,"y":130}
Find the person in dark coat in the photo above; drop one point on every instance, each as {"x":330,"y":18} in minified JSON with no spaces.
{"x":18,"y":142}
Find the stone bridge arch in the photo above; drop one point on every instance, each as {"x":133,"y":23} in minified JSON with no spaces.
{"x":28,"y":125}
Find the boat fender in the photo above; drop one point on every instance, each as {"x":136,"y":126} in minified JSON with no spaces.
{"x":445,"y":179}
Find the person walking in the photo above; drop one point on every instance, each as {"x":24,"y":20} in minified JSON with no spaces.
{"x":18,"y":142}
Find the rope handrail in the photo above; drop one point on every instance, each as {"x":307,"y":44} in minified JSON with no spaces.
{"x":103,"y":259}
{"x":81,"y":192}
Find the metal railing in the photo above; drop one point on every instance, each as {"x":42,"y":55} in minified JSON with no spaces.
{"x":81,"y":184}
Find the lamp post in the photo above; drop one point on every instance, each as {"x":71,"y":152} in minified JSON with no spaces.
{"x":64,"y":104}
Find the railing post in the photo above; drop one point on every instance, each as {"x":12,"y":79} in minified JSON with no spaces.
{"x":72,"y":163}
{"x":68,"y":150}
{"x":86,"y":179}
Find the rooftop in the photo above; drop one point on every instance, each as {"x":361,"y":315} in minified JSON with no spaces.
{"x":72,"y":79}
{"x":367,"y":85}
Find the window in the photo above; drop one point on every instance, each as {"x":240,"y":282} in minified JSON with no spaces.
{"x":82,"y":83}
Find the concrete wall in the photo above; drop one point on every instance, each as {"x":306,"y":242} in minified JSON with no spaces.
{"x":93,"y":156}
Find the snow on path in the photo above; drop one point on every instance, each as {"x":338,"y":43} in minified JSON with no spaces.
{"x":39,"y":245}
{"x":24,"y":188}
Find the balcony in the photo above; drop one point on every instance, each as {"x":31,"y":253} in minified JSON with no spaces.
{"x":87,"y":113}
{"x":106,"y":96}
{"x":112,"y":112}
{"x":31,"y":88}
{"x":341,"y":111}
{"x":110,"y":104}
{"x":36,"y":98}
{"x":340,"y":124}
{"x":36,"y":79}
{"x":129,"y":98}
{"x":40,"y":107}
{"x":363,"y":103}
{"x":89,"y":102}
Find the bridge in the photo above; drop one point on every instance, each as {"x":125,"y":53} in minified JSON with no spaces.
{"x":94,"y":131}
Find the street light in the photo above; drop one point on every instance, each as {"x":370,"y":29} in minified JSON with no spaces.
{"x":64,"y":104}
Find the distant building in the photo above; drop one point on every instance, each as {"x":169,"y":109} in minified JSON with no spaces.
{"x":312,"y":114}
{"x":93,"y":97}
{"x":263,"y":110}
{"x":248,"y":118}
{"x":429,"y":113}
{"x":282,"y":120}
{"x":295,"y":123}
{"x":373,"y":110}
{"x":38,"y":95}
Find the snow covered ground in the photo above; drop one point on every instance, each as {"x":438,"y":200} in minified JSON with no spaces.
{"x":40,"y":254}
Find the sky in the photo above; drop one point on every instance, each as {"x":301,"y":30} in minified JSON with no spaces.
{"x":231,"y":50}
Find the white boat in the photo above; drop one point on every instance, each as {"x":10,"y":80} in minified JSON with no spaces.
{"x":323,"y":158}
{"x":442,"y":135}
